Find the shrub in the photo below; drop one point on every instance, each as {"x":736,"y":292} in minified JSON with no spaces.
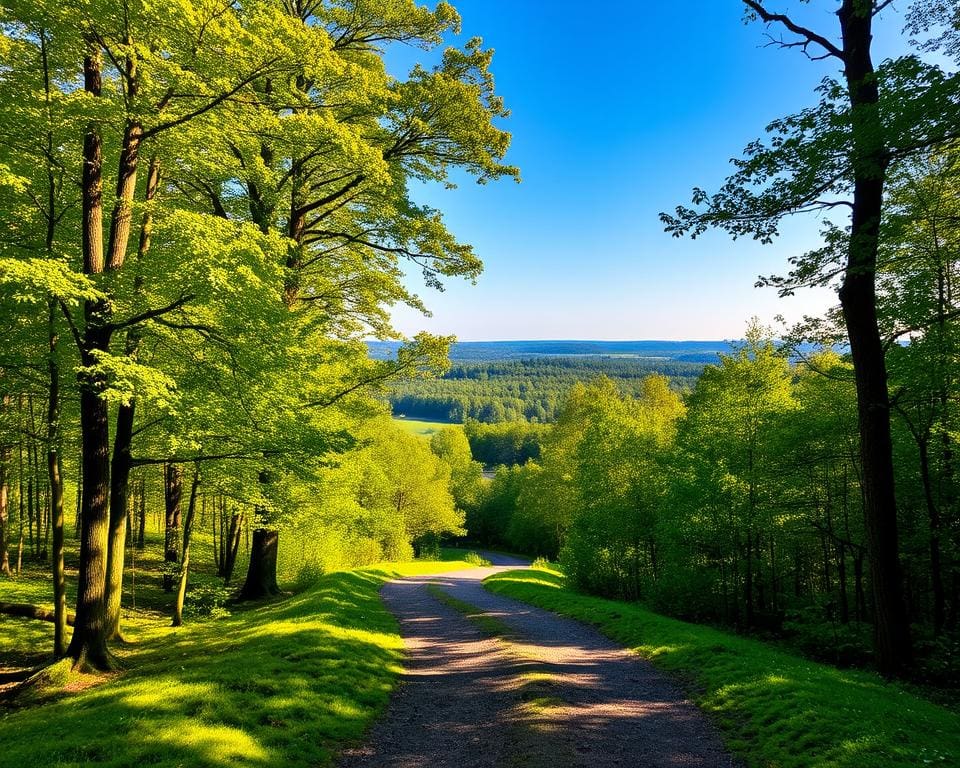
{"x":206,"y":600}
{"x":474,"y":559}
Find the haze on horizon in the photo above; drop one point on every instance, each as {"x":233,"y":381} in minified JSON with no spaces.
{"x":607,"y":136}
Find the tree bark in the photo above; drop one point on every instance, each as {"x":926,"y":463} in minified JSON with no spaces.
{"x":27,"y":611}
{"x":89,"y":644}
{"x":126,"y":412}
{"x":933,"y":517}
{"x":232,"y":546}
{"x":858,"y":301}
{"x":55,"y":475}
{"x":120,"y":466}
{"x":4,"y":511}
{"x":262,"y":572}
{"x":173,"y":494}
{"x":142,"y":515}
{"x":185,"y":560}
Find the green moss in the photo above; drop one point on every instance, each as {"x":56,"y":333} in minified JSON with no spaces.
{"x":773,"y":708}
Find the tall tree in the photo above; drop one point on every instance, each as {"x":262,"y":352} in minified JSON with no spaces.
{"x":839,"y":154}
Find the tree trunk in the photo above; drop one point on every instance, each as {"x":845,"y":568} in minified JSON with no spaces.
{"x":859,"y":592}
{"x":4,"y":512}
{"x":119,"y":497}
{"x":142,"y":522}
{"x":89,"y":644}
{"x":748,"y":581}
{"x":185,"y":560}
{"x":233,"y":546}
{"x":173,"y":493}
{"x":858,"y":301}
{"x":55,"y":475}
{"x":933,"y":516}
{"x":262,"y":572}
{"x":842,"y":586}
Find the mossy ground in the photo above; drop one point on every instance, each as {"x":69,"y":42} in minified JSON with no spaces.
{"x":774,"y":709}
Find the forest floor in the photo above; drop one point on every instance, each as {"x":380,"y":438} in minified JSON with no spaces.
{"x":489,"y":681}
{"x":287,"y":683}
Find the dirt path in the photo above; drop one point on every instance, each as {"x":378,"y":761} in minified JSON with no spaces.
{"x":544,"y":692}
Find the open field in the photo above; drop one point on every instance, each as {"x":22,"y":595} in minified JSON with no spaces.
{"x":422,"y":428}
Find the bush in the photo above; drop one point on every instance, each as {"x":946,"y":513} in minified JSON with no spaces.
{"x":474,"y":559}
{"x":810,"y":631}
{"x":308,"y":574}
{"x":206,"y":600}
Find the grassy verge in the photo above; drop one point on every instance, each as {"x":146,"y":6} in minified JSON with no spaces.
{"x":489,"y":625}
{"x":284,"y":684}
{"x":773,"y":708}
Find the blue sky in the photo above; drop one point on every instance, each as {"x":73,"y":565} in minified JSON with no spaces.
{"x":618,"y":110}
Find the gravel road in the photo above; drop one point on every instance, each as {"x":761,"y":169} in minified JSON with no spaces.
{"x":543,"y":692}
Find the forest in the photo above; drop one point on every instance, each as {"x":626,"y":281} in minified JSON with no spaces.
{"x":205,"y":211}
{"x":522,"y":390}
{"x":214,"y":529}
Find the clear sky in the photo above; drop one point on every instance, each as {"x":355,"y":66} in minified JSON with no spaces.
{"x":618,"y":110}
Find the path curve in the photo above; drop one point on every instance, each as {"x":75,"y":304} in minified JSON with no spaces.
{"x":550,"y":693}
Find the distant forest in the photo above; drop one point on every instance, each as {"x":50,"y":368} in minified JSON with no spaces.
{"x":530,"y":389}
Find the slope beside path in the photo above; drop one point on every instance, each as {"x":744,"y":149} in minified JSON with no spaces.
{"x":518,"y":686}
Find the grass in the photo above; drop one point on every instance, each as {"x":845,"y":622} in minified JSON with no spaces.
{"x":284,"y":684}
{"x":489,"y":625}
{"x":774,"y":709}
{"x":423,"y":428}
{"x":453,"y":553}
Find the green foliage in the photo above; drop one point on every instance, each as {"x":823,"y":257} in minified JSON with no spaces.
{"x":772,"y":708}
{"x":251,"y":167}
{"x":609,"y":449}
{"x":510,"y":443}
{"x":206,"y":599}
{"x":466,"y":475}
{"x":742,"y":504}
{"x":517,"y":390}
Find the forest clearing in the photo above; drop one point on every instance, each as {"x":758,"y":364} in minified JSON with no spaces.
{"x":259,"y":505}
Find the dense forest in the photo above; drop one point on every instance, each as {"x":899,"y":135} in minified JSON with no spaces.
{"x":817,"y":500}
{"x":741,"y":503}
{"x":526,"y":389}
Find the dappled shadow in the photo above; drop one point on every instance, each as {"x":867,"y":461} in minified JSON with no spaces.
{"x":284,"y":684}
{"x":552,"y":692}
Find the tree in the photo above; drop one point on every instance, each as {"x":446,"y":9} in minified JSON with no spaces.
{"x":265,"y":153}
{"x":731,"y":421}
{"x":839,"y":154}
{"x":917,"y":304}
{"x":410,"y":485}
{"x":466,"y":475}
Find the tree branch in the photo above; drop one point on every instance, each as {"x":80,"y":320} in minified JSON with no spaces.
{"x":808,"y":34}
{"x":150,"y":314}
{"x":73,"y":326}
{"x":211,"y":104}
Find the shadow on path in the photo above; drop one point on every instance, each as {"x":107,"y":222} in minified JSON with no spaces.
{"x":551,"y":692}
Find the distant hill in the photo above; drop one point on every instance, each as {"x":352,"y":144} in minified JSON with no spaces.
{"x":492,"y":351}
